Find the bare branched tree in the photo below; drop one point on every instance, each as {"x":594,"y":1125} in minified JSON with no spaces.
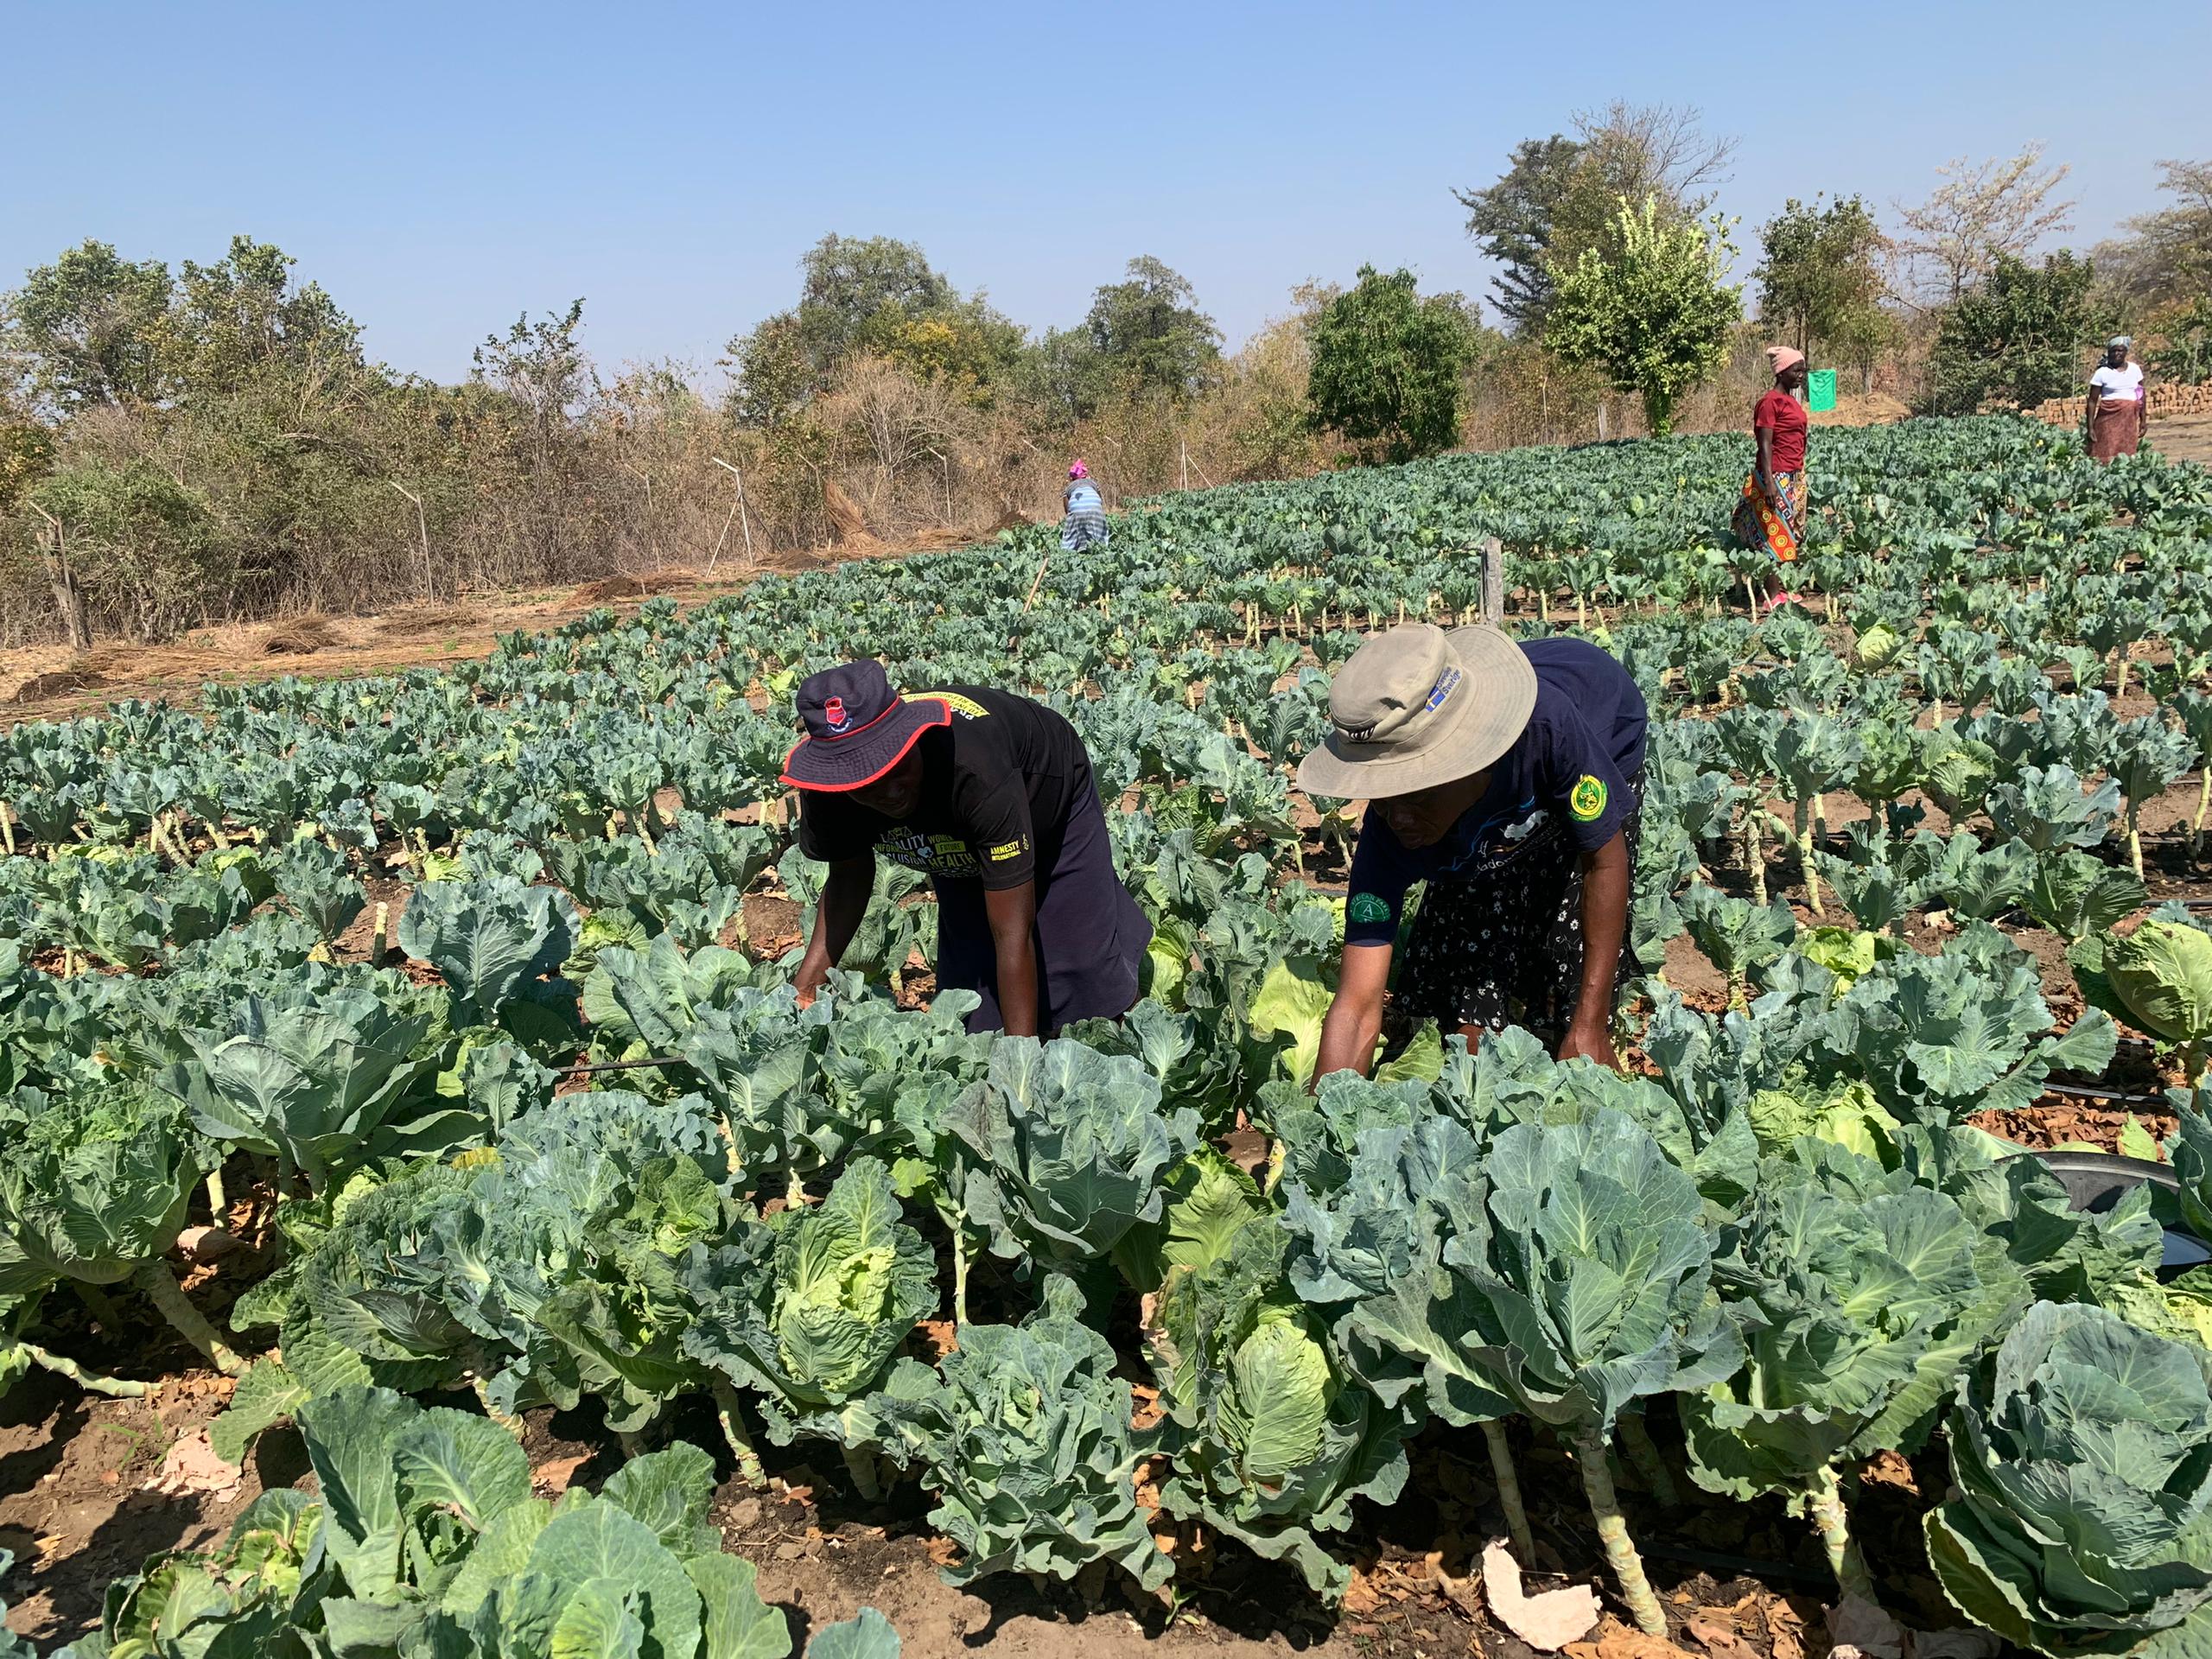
{"x":2166,"y":257}
{"x":1981,"y":209}
{"x":1657,"y":149}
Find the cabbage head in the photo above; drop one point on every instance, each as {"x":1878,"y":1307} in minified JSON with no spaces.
{"x":1877,"y":647}
{"x":1849,"y":1117}
{"x":1271,"y":1439}
{"x":2162,"y":973}
{"x":1864,"y":1304}
{"x":1028,"y":1439}
{"x":807,"y":1309}
{"x":92,"y":1184}
{"x":2081,"y":1452}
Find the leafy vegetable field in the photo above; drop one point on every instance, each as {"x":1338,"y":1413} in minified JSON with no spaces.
{"x":404,"y":1050}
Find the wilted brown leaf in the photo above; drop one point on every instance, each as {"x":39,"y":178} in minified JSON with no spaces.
{"x":1547,"y":1621}
{"x":552,"y":1476}
{"x":1718,"y":1640}
{"x":190,"y":1465}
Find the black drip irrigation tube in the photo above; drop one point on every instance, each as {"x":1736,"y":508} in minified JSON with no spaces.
{"x":617,"y":1065}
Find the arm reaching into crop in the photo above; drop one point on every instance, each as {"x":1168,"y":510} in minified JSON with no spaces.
{"x":1355,"y":1017}
{"x":837,"y":919}
{"x":1605,"y":923}
{"x":1012,"y":912}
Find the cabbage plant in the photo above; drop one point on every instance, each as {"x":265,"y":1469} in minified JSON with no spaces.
{"x":1061,"y":1150}
{"x":424,"y":1538}
{"x":2158,"y":978}
{"x":1862,"y":1307}
{"x":1589,"y":1272}
{"x":806,"y":1310}
{"x":1028,"y":1440}
{"x":2081,"y":1457}
{"x":94,"y":1187}
{"x":1374,"y":1248}
{"x":1271,"y":1438}
{"x":321,"y":1080}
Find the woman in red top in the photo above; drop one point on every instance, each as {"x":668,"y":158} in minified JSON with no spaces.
{"x":1772,"y":514}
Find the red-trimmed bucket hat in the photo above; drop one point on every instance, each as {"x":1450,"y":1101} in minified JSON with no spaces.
{"x":857,"y":728}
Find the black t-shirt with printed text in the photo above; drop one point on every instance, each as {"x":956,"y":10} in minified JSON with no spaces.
{"x":998,"y":784}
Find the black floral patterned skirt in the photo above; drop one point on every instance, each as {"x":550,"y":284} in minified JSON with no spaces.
{"x":1504,"y":947}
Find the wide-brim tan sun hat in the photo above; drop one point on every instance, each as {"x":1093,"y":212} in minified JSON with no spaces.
{"x":1417,"y":706}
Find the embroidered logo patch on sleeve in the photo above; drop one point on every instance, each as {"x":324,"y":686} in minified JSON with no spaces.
{"x":1586,"y":801}
{"x":1368,"y":907}
{"x":1006,"y":849}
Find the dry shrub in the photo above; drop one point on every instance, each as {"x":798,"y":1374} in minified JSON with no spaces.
{"x":298,"y":636}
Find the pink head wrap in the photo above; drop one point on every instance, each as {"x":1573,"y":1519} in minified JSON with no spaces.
{"x":1779,"y":358}
{"x":1078,"y":471}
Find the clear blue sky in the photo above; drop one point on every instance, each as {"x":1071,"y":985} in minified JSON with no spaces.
{"x":440,"y":167}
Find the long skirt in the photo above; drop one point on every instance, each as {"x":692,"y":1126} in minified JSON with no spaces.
{"x":1085,"y":527}
{"x":2116,"y":428}
{"x":1772,"y":514}
{"x":1503,"y":946}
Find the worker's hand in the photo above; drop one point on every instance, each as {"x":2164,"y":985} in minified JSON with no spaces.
{"x":1590,"y":1042}
{"x":809,"y":983}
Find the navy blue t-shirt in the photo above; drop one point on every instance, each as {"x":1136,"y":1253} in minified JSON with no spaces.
{"x":1566,"y":773}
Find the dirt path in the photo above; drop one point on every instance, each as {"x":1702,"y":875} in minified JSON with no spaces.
{"x":55,"y":683}
{"x":2183,"y":437}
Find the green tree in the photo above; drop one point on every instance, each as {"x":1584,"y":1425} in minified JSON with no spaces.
{"x":145,"y":550}
{"x":1821,"y":267}
{"x":1653,"y":315}
{"x":1387,"y":365}
{"x":867,"y":296}
{"x":1511,"y":221}
{"x":1148,"y":329}
{"x":1559,"y":194}
{"x":1144,"y":342}
{"x":2018,"y":338}
{"x":93,"y":327}
{"x":2185,"y":350}
{"x":240,"y":319}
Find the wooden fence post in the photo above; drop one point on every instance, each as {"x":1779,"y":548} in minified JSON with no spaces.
{"x":1493,"y":581}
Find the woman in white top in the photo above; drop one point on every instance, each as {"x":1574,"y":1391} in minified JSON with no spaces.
{"x":2113,"y":420}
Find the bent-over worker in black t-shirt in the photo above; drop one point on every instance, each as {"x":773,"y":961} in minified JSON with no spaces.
{"x":990,"y":796}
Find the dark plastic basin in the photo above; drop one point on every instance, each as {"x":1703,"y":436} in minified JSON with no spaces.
{"x":2096,"y":1182}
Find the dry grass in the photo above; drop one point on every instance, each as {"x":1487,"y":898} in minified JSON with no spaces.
{"x":608,"y":590}
{"x":424,"y":623}
{"x":298,"y":636}
{"x":847,"y":519}
{"x":58,"y":683}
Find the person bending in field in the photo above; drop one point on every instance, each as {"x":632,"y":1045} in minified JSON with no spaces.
{"x":1772,"y":514}
{"x":990,"y":796}
{"x":1084,"y":526}
{"x":2114,"y":421}
{"x":1509,"y":778}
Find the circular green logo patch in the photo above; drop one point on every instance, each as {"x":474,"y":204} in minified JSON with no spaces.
{"x":1587,"y":800}
{"x":1368,"y":907}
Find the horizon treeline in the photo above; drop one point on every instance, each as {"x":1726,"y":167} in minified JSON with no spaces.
{"x":211,"y":442}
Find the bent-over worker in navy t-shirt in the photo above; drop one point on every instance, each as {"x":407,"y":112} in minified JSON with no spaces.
{"x":1509,"y":779}
{"x":990,"y":796}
